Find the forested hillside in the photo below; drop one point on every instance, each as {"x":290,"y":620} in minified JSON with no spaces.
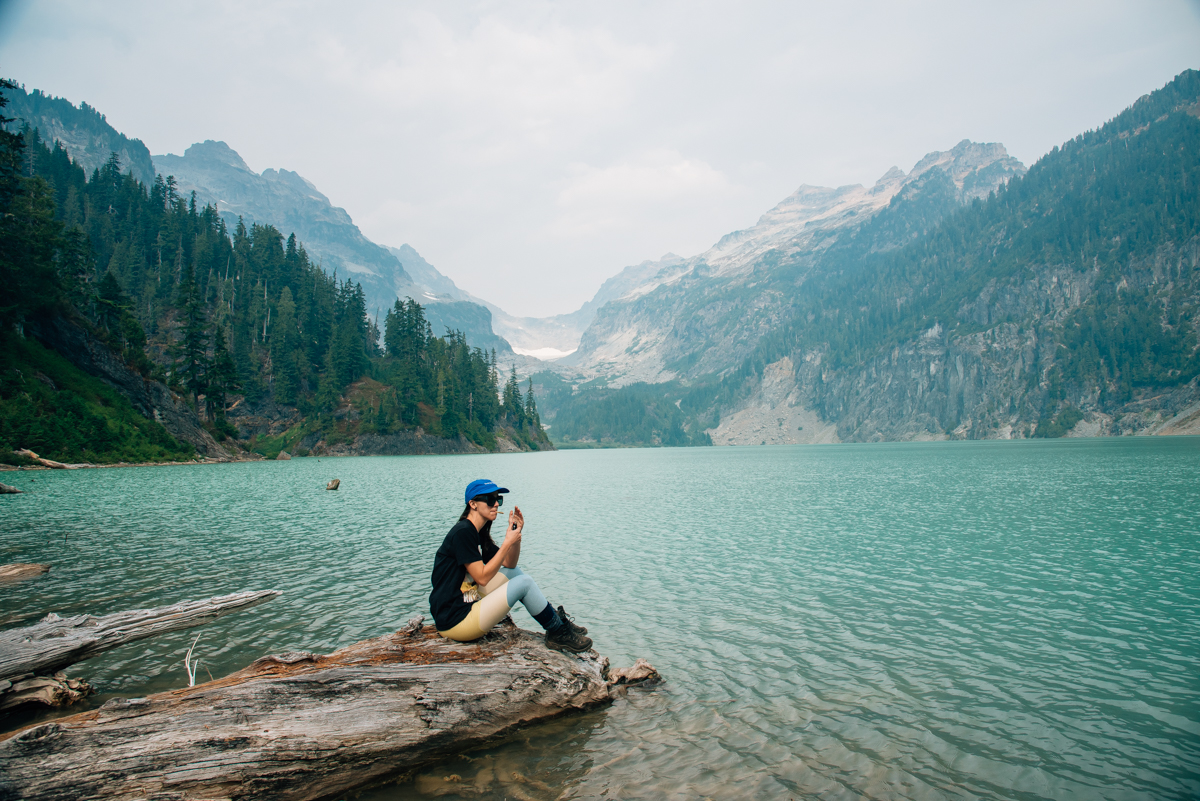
{"x":82,"y":128}
{"x":234,"y":320}
{"x":1067,"y":295}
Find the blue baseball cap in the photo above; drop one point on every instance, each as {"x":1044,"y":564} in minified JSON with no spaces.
{"x":482,"y":486}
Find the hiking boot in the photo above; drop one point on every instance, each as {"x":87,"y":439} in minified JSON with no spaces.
{"x":564,"y":638}
{"x":570,"y":621}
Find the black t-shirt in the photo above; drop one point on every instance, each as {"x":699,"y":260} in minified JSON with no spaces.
{"x":462,"y":546}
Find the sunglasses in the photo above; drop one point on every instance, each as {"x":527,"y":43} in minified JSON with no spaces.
{"x":491,"y":499}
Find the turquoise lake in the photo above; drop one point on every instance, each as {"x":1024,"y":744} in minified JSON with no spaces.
{"x":996,"y":620}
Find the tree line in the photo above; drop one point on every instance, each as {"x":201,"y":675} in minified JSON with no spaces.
{"x":216,"y":313}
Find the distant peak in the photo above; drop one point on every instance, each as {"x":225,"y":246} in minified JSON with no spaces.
{"x":894,"y":174}
{"x":966,"y":155}
{"x":214,"y":151}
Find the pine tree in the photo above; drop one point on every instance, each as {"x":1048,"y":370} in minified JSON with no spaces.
{"x":284,"y":344}
{"x":531,"y":413}
{"x":514,"y":409}
{"x":329,"y":392}
{"x":194,"y":348}
{"x":222,"y":377}
{"x":111,"y":300}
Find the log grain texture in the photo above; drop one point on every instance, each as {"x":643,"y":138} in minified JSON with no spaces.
{"x":303,"y":726}
{"x":55,"y":642}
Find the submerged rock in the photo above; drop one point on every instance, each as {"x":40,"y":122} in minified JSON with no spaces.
{"x":19,"y":571}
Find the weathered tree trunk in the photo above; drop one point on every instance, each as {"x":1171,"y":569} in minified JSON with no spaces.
{"x":301,"y":726}
{"x":55,"y":642}
{"x":7,"y":490}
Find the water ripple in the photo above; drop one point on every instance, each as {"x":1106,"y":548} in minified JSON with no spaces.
{"x":924,"y":621}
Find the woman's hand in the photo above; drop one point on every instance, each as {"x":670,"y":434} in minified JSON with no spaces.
{"x":512,"y":537}
{"x":516,"y":524}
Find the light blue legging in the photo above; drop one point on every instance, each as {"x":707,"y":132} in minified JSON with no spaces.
{"x":493,"y":606}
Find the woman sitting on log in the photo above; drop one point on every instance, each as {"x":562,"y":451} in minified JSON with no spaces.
{"x":476,"y":582}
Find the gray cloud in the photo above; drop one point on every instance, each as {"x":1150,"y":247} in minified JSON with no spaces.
{"x":530,"y":150}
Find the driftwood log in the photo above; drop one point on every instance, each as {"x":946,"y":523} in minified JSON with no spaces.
{"x":5,"y":489}
{"x":53,"y":465}
{"x":332,"y":485}
{"x":31,"y":657}
{"x":302,"y":726}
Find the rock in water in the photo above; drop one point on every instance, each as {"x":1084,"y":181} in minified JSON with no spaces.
{"x":641,"y":672}
{"x":7,"y":490}
{"x":19,"y":571}
{"x":332,"y":485}
{"x":283,"y":456}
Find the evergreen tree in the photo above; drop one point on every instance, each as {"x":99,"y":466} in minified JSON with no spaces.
{"x":284,"y":346}
{"x":514,"y":409}
{"x":194,"y":347}
{"x":328,"y":389}
{"x":222,"y":377}
{"x":111,"y":301}
{"x":531,"y":413}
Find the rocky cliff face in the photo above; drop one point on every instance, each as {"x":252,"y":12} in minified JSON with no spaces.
{"x":1067,"y":305}
{"x":704,"y":314}
{"x":284,"y":199}
{"x":150,"y":398}
{"x":991,"y":383}
{"x":83,"y":131}
{"x":925,"y":307}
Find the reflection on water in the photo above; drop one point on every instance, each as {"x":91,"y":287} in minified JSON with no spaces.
{"x":536,"y":763}
{"x":946,"y":620}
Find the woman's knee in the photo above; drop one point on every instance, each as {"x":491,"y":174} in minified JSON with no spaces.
{"x":518,"y":587}
{"x":498,"y":581}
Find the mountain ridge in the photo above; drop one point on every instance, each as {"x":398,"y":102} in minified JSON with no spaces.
{"x":285,"y":199}
{"x":976,"y":304}
{"x":632,"y":339}
{"x":83,"y":130}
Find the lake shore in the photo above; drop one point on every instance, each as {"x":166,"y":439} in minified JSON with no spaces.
{"x":8,"y":468}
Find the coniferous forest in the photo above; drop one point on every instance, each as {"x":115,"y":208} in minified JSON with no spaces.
{"x":234,"y":321}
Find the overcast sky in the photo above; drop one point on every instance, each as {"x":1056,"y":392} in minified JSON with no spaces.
{"x":530,"y":150}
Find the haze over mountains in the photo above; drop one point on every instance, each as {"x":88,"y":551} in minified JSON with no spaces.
{"x":280,"y":197}
{"x":218,"y":175}
{"x":637,"y":336}
{"x":969,"y":297}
